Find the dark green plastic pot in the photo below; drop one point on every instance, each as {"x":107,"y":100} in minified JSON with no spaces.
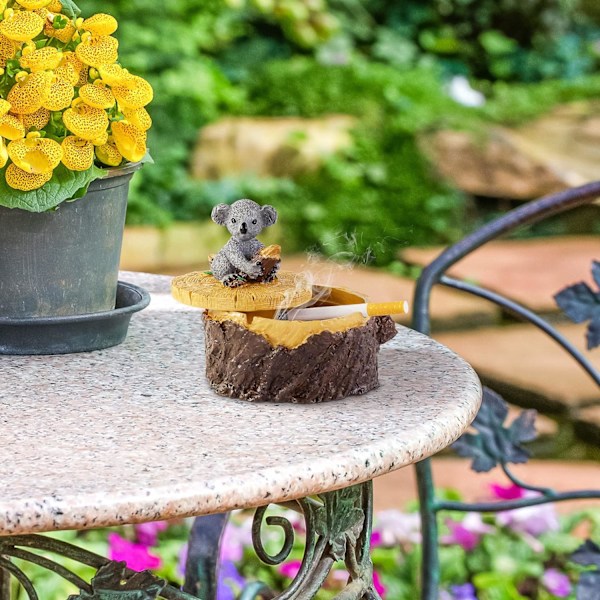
{"x":65,"y":261}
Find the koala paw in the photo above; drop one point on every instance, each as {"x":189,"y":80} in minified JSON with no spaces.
{"x":272,"y":275}
{"x":256,"y":271}
{"x":232,"y":280}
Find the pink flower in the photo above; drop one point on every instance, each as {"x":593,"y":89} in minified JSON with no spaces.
{"x":533,"y":520}
{"x":290,"y":569}
{"x":235,"y":538}
{"x":557,"y":583}
{"x":466,"y":533}
{"x":136,"y":556}
{"x":396,"y":528}
{"x":378,"y":584}
{"x":509,"y":492}
{"x":147,"y":533}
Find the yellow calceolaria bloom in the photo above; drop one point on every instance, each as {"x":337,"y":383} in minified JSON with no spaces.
{"x":97,"y":95}
{"x":100,"y":24}
{"x":136,"y":94}
{"x":98,"y":50}
{"x":37,"y":120}
{"x":72,"y":103}
{"x":3,"y":154}
{"x":11,"y":127}
{"x":78,"y":154}
{"x":21,"y":25}
{"x":108,"y":154}
{"x":60,"y":96}
{"x":30,"y":91}
{"x":130,"y":141}
{"x":85,"y":121}
{"x":26,"y":182}
{"x":33,"y":4}
{"x":44,"y":59}
{"x":35,"y":154}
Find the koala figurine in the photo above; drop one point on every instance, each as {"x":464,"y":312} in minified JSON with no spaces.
{"x":237,"y":261}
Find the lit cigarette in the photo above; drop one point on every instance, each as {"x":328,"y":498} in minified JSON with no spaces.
{"x":371,"y":309}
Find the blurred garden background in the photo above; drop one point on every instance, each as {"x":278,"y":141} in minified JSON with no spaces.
{"x":401,"y":72}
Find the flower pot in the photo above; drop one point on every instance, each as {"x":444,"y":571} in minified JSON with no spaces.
{"x":64,"y":262}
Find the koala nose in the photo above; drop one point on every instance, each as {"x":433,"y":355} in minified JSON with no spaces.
{"x":243,"y":228}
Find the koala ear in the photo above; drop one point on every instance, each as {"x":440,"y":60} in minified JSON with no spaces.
{"x":220,"y":213}
{"x":269,"y":215}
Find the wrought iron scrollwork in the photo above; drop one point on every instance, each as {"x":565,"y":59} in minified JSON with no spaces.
{"x":338,"y":528}
{"x":113,"y":580}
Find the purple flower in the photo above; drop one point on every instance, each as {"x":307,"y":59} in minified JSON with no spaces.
{"x":378,"y":584}
{"x":235,"y":538}
{"x":290,"y":569}
{"x":466,"y":533}
{"x":396,"y":528}
{"x":466,"y":591}
{"x":509,"y":492}
{"x":230,"y":581}
{"x":183,"y":553}
{"x":136,"y":556}
{"x":557,"y":583}
{"x":147,"y":533}
{"x":533,"y":520}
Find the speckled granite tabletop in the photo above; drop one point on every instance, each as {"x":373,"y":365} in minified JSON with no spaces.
{"x":133,"y":433}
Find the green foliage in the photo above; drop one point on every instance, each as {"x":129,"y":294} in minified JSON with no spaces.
{"x":64,"y":185}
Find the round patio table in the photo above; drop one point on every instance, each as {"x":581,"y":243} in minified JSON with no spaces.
{"x":134,"y":433}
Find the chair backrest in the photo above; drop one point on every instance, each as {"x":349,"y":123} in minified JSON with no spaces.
{"x":490,"y":420}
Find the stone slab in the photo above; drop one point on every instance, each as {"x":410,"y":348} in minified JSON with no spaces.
{"x":528,"y":271}
{"x":396,"y":490}
{"x":526,"y":366}
{"x":449,"y":309}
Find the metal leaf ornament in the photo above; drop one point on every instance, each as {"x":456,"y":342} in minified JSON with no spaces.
{"x":581,"y":303}
{"x":115,"y":582}
{"x":588,"y":555}
{"x":494,"y":443}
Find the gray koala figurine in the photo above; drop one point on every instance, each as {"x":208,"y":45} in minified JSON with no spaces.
{"x":236,"y":262}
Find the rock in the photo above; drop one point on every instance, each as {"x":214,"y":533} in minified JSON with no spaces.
{"x":268,"y":146}
{"x":556,"y":151}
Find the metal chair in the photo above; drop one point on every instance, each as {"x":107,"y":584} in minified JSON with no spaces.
{"x":493,"y":437}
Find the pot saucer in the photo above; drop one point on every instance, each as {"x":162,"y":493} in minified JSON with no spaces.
{"x":77,"y":333}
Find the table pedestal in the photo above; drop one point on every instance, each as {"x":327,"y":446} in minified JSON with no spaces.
{"x":338,"y":528}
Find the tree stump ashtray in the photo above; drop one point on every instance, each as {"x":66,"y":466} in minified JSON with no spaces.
{"x":259,"y":347}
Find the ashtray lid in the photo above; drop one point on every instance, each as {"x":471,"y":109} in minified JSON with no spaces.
{"x":202,"y":290}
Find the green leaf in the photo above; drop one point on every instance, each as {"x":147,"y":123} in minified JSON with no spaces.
{"x":64,"y":185}
{"x":70,"y":8}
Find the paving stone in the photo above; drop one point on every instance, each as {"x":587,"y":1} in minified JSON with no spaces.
{"x":397,"y":489}
{"x":527,"y":367}
{"x":529,"y":271}
{"x":449,"y":309}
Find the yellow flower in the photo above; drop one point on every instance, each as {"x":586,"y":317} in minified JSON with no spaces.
{"x":21,"y":25}
{"x":97,"y":95}
{"x":30,"y":92}
{"x":22,"y":180}
{"x":78,"y":154}
{"x":8,"y":49}
{"x":100,"y":24}
{"x":4,"y":107}
{"x":3,"y":154}
{"x":138,"y":117}
{"x":137,"y":94}
{"x":11,"y":127}
{"x":33,"y":4}
{"x":130,"y":141}
{"x":37,"y":120}
{"x":85,"y":121}
{"x":55,"y":6}
{"x":109,"y":155}
{"x":98,"y":50}
{"x":64,"y":35}
{"x":114,"y":75}
{"x":61,"y":95}
{"x":35,"y":154}
{"x":44,"y":59}
{"x":101,"y":140}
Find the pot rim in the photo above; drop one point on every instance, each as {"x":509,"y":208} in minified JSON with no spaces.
{"x":124,"y":170}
